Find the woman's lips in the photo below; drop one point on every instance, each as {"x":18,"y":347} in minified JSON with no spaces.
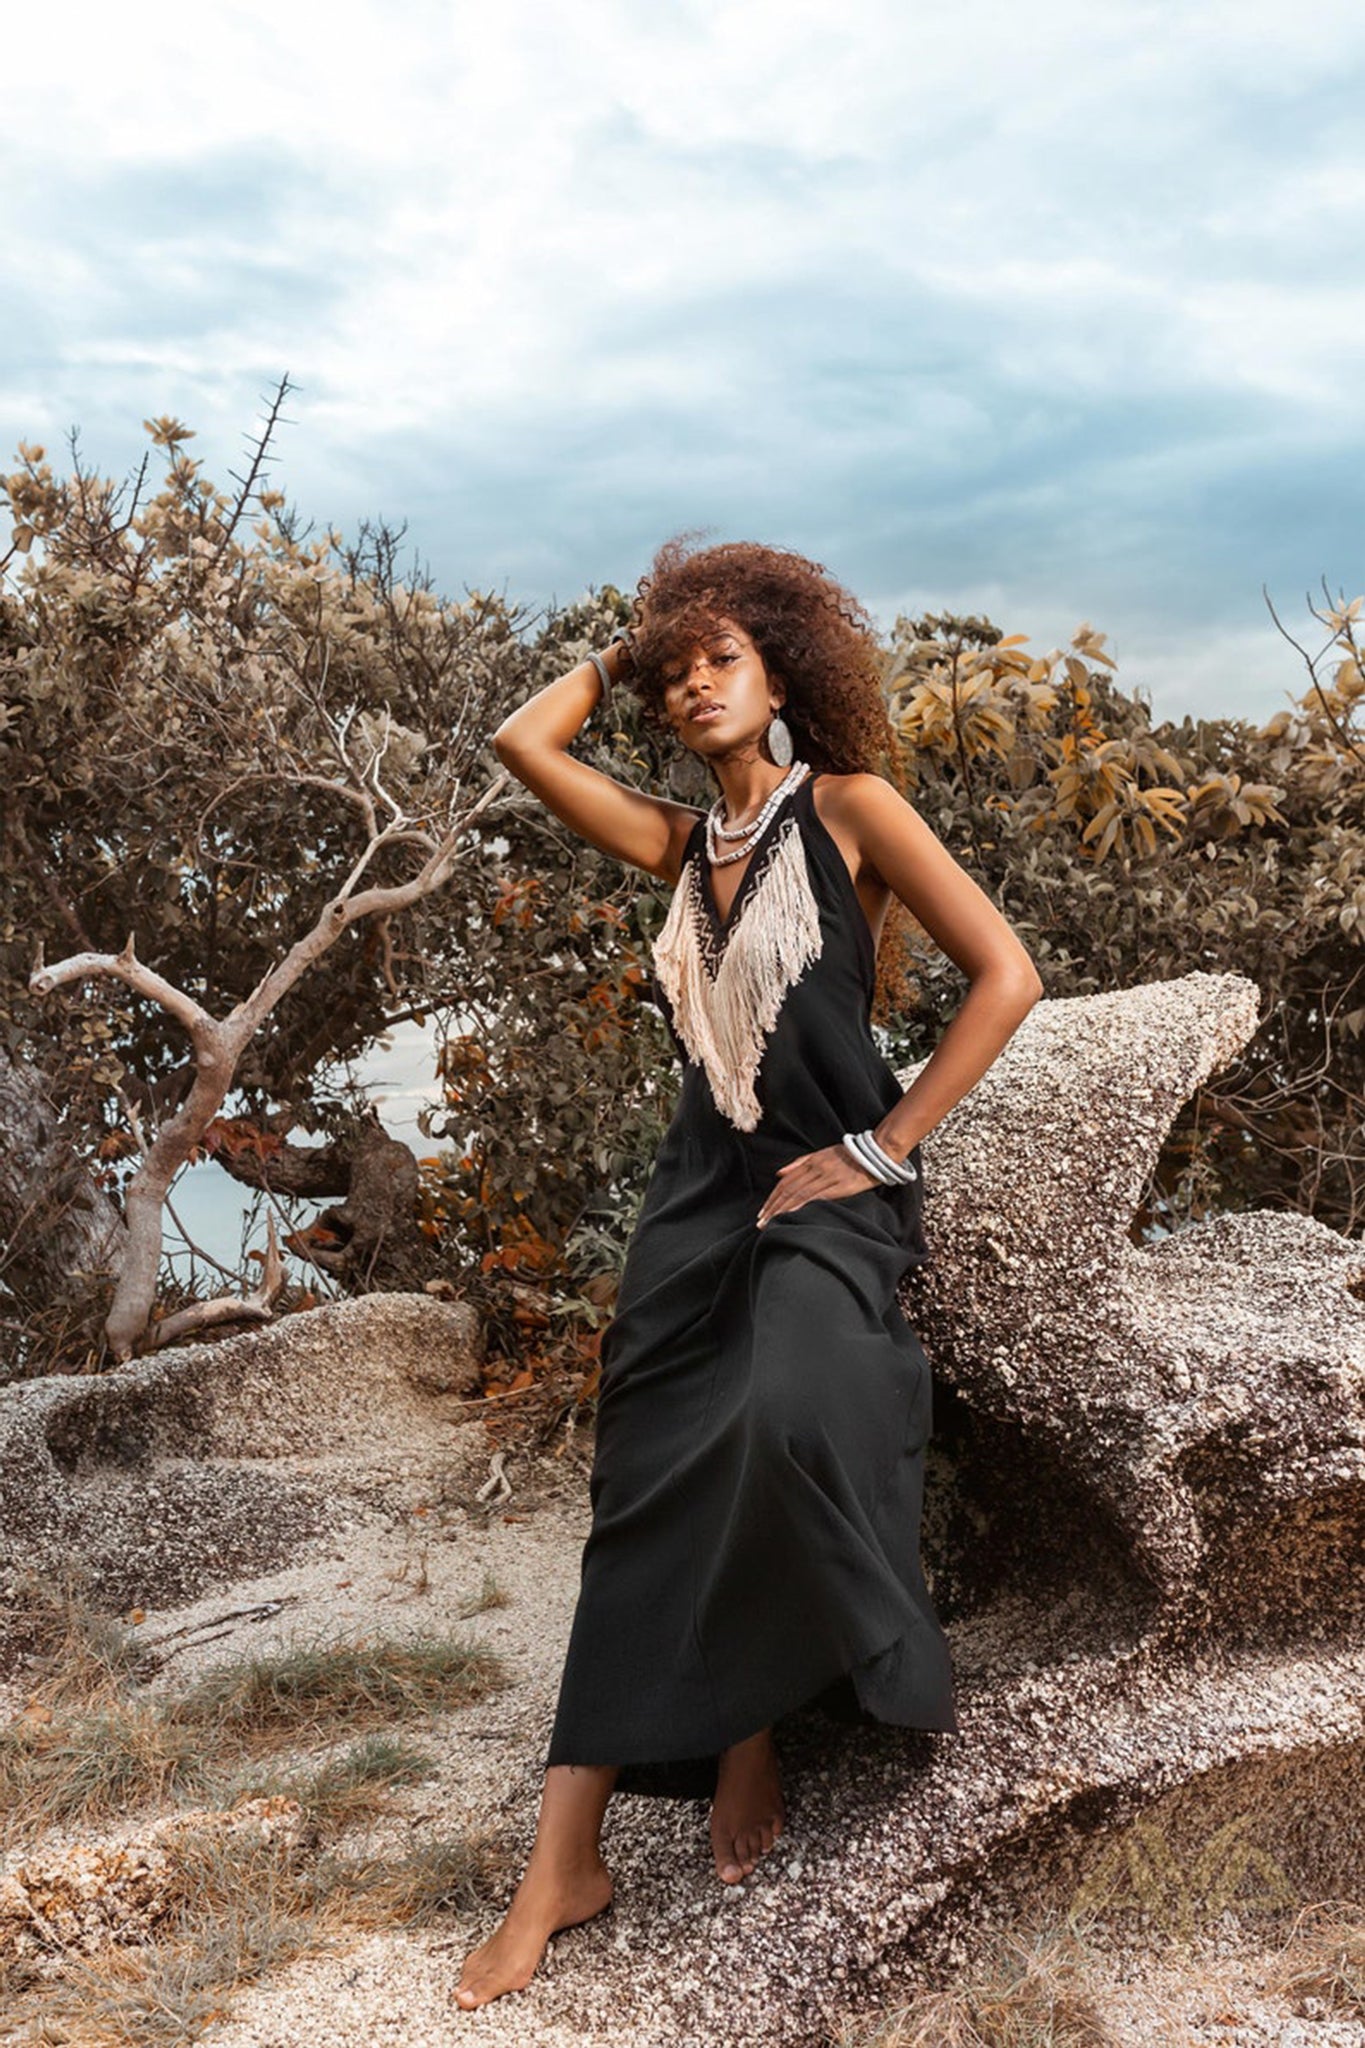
{"x":706,"y":713}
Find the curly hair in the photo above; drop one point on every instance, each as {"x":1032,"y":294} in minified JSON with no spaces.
{"x":813,"y":635}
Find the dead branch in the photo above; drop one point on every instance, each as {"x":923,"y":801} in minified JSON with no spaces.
{"x":344,"y":911}
{"x":256,"y":1307}
{"x":125,"y":967}
{"x":312,"y":1171}
{"x":1310,"y":661}
{"x":259,"y":457}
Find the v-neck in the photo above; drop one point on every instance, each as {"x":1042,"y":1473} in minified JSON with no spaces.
{"x":723,"y":926}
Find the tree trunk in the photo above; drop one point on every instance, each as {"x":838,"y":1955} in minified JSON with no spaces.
{"x":130,"y":1311}
{"x":62,"y":1240}
{"x":372,"y":1235}
{"x":375,"y":1228}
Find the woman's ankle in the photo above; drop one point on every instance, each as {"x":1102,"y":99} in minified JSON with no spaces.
{"x":565,"y":1861}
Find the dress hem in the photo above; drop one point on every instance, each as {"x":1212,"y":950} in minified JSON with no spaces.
{"x":651,"y":1759}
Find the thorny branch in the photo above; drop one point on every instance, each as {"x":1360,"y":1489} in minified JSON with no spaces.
{"x":259,"y":458}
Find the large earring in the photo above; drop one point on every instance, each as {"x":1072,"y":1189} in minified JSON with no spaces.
{"x":779,"y":738}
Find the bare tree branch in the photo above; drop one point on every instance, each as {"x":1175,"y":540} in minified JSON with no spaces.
{"x":1310,"y":662}
{"x":218,"y":1049}
{"x":258,"y":459}
{"x":256,"y":1307}
{"x":125,"y":967}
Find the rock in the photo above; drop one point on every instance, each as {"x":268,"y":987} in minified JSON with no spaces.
{"x":1145,"y":1527}
{"x":1184,"y":1418}
{"x":83,"y":1898}
{"x":62,"y":1234}
{"x":193,"y":1467}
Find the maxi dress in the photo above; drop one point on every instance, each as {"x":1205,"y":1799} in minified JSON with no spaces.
{"x":764,"y":1405}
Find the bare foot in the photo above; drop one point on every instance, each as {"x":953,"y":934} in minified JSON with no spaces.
{"x":747,"y":1812}
{"x":543,"y":1904}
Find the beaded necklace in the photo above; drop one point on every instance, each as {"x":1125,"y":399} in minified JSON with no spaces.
{"x":749,"y":834}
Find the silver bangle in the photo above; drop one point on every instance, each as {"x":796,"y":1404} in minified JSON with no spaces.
{"x":626,"y":639}
{"x":902,"y":1169}
{"x":601,"y":668}
{"x":862,"y":1147}
{"x":862,"y":1159}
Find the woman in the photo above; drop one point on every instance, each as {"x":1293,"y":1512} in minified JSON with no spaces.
{"x":764,"y":1405}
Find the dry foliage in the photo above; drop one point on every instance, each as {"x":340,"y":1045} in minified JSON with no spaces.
{"x":215,"y":724}
{"x":217,"y":775}
{"x":1123,"y":852}
{"x":1072,"y":1984}
{"x":1324,"y":1958}
{"x":1033,"y":1987}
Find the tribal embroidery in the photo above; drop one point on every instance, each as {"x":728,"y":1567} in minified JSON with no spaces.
{"x":726,"y":985}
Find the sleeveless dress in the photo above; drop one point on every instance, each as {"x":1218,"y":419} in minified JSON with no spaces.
{"x":764,"y":1405}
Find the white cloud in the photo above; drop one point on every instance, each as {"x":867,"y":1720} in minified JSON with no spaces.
{"x":558,"y":279}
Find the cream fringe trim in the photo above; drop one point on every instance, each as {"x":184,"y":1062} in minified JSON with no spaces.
{"x":725,"y":1020}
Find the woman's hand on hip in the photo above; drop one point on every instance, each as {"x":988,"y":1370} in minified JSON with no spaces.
{"x":815,"y":1176}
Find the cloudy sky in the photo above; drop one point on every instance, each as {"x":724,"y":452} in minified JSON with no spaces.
{"x":1054,"y":312}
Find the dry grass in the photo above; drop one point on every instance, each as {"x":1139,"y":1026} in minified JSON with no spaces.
{"x":336,"y":1686}
{"x":242,"y":1911}
{"x":489,"y":1595}
{"x":454,"y":1875}
{"x":90,"y":1745}
{"x":91,"y":1765}
{"x":1053,"y":1985}
{"x":1034,"y":1988}
{"x":75,"y":1653}
{"x":343,"y":1791}
{"x":1324,"y":1958}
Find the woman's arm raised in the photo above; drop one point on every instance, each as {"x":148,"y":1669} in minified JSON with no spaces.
{"x":648,"y":831}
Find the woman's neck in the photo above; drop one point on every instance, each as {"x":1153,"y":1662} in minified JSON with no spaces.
{"x":745,"y":785}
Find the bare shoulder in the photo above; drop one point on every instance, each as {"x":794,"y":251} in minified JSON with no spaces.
{"x":859,"y":801}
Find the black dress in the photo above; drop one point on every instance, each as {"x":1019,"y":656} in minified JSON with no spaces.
{"x":764,"y":1405}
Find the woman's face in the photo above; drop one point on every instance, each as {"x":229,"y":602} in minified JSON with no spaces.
{"x":722,"y":697}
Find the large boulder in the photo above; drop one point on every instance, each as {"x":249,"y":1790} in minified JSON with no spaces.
{"x":1180,"y":1421}
{"x":194,"y":1467}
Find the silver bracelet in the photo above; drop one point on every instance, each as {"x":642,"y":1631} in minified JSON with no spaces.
{"x":626,"y":638}
{"x":863,"y":1148}
{"x":902,"y":1169}
{"x":856,"y":1143}
{"x":861,"y":1160}
{"x":601,"y":668}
